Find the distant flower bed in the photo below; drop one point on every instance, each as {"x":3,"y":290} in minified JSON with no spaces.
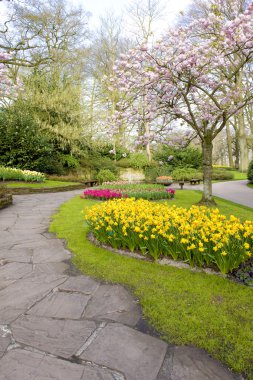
{"x":125,"y":190}
{"x":199,"y":236}
{"x":12,"y":174}
{"x":164,"y":179}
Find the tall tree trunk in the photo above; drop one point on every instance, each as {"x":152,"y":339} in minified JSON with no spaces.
{"x":243,"y":145}
{"x":92,"y":102}
{"x":207,"y":147}
{"x":242,"y":136}
{"x":236,"y":144}
{"x":148,"y":150}
{"x":229,"y":144}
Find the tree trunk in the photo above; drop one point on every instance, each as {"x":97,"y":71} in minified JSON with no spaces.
{"x":148,"y":151}
{"x":236,"y":146}
{"x":229,"y":144}
{"x":242,"y":136}
{"x":92,"y":102}
{"x":243,"y":145}
{"x":207,"y":147}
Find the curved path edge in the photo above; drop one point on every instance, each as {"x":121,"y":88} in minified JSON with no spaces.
{"x":53,"y":325}
{"x":234,"y":191}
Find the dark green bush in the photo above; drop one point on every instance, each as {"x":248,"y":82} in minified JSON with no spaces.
{"x":21,"y":142}
{"x":124,"y":163}
{"x":105,"y":150}
{"x":106,"y":175}
{"x":222,"y":167}
{"x":96,"y":162}
{"x":138,"y":160}
{"x":50,"y":165}
{"x":190,"y":157}
{"x":222,"y":175}
{"x":186,"y":174}
{"x":250,"y":172}
{"x":69,"y":161}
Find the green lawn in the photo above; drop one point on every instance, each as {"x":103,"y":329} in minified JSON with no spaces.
{"x":186,"y":308}
{"x":250,"y":185}
{"x":239,"y":175}
{"x":39,"y":185}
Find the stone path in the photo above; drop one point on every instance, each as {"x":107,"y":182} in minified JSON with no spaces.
{"x":57,"y":326}
{"x":235,"y":191}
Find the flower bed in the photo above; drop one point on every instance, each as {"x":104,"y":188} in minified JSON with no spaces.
{"x":165,"y":180}
{"x":103,"y":194}
{"x":125,"y":190}
{"x":12,"y":174}
{"x":199,"y":236}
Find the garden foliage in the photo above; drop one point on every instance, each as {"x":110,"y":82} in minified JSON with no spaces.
{"x":105,"y":175}
{"x":189,"y":157}
{"x":222,"y":175}
{"x":186,"y":174}
{"x":250,"y":172}
{"x":198,"y":236}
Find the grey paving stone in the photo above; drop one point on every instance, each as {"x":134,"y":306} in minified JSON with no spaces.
{"x":11,"y":272}
{"x":7,"y":219}
{"x":26,"y":365}
{"x":22,"y":294}
{"x":42,"y":251}
{"x":51,"y":268}
{"x":113,"y":302}
{"x":55,"y":336}
{"x":9,"y":241}
{"x":17,"y":254}
{"x":81,"y":284}
{"x":50,"y":254}
{"x":189,"y":363}
{"x":5,"y":340}
{"x":61,"y":305}
{"x":136,"y":355}
{"x":19,"y":231}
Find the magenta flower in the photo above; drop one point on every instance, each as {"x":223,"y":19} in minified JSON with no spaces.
{"x":170,"y":191}
{"x":102,"y":194}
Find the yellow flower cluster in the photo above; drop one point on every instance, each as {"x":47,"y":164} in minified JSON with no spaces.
{"x":198,"y":235}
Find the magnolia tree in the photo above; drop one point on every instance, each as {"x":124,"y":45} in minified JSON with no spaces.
{"x":194,"y":75}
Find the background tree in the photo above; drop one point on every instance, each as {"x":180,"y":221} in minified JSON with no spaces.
{"x":8,"y":89}
{"x":192,"y":75}
{"x":108,"y":43}
{"x":228,"y":10}
{"x":144,"y":16}
{"x":41,"y":32}
{"x":48,"y":43}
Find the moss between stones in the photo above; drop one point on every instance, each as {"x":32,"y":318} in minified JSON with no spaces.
{"x":5,"y":200}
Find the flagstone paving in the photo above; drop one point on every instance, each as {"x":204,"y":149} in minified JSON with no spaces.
{"x":57,"y":326}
